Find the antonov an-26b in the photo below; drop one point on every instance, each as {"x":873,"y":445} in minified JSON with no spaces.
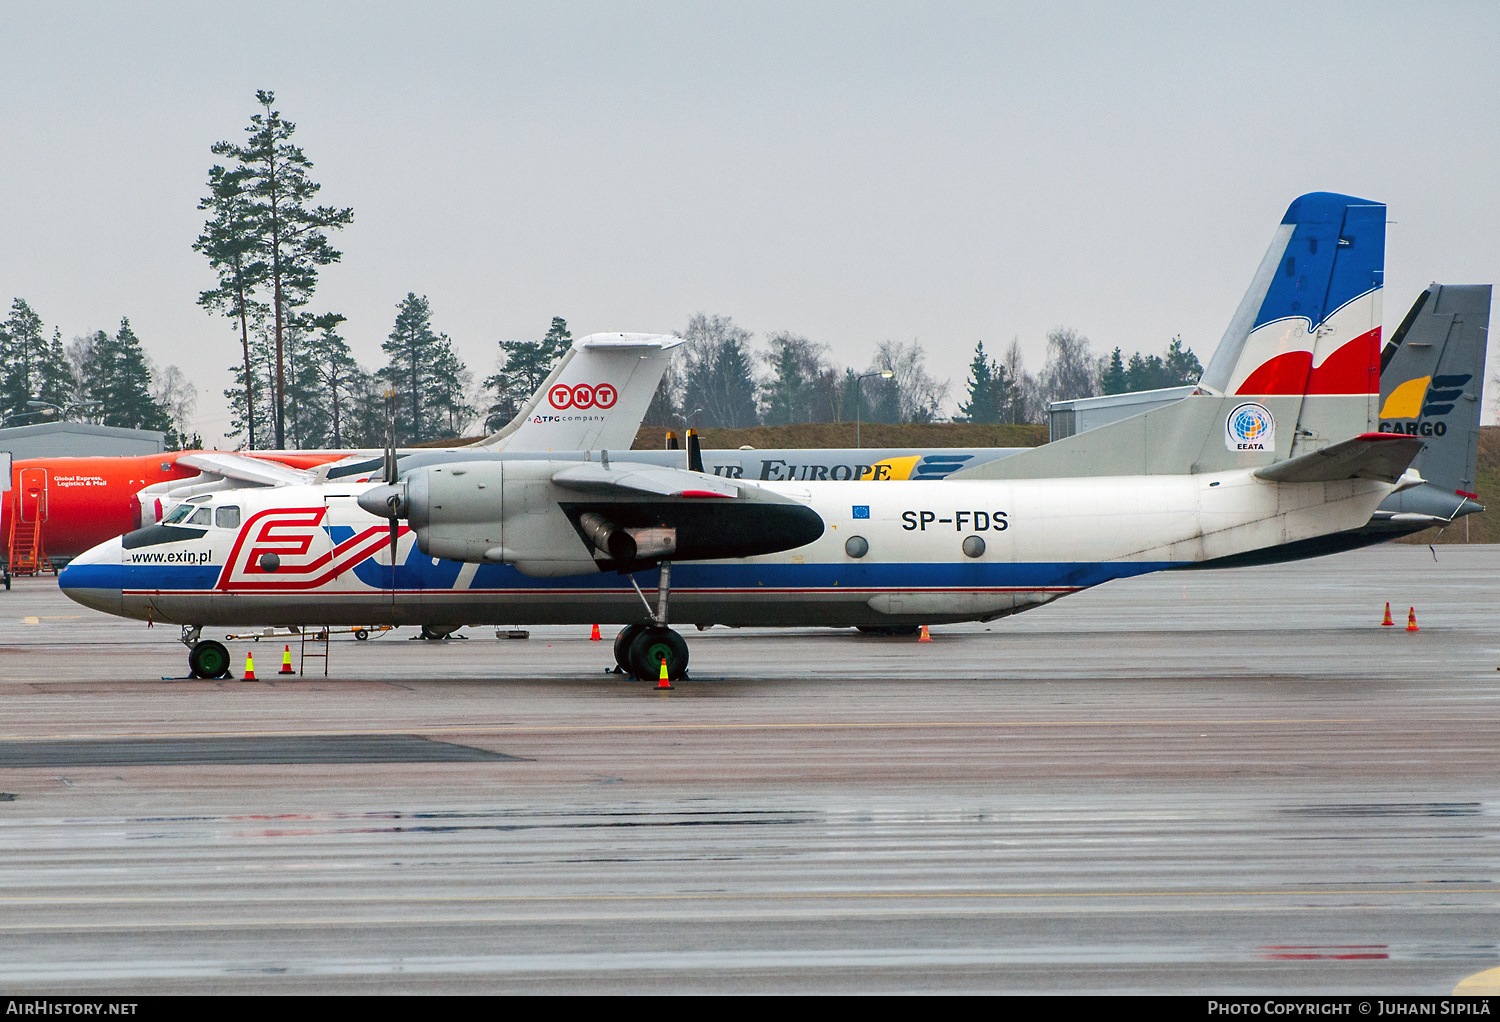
{"x":1274,"y":448}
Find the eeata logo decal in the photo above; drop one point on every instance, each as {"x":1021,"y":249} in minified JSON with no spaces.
{"x":583,"y":396}
{"x":292,"y":535}
{"x":1250,"y":427}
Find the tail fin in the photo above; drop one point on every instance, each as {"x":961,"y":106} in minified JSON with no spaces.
{"x":1301,"y":358}
{"x":1430,"y":381}
{"x":595,"y":398}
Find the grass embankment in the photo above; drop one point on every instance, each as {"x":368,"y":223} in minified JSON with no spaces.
{"x":1487,"y":485}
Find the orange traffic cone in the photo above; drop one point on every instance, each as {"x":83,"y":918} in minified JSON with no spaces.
{"x":595,"y":637}
{"x":1411,"y":620}
{"x":249,"y":667}
{"x":1387,"y":622}
{"x":286,"y":661}
{"x":926,"y":637}
{"x":662,"y":682}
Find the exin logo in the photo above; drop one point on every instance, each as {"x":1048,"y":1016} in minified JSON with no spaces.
{"x":1250,"y":427}
{"x":583,"y":396}
{"x":287,"y":549}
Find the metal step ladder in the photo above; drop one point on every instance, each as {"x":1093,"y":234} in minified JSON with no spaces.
{"x":318,"y":638}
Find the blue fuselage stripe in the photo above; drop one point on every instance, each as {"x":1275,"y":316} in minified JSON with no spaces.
{"x":441,"y":577}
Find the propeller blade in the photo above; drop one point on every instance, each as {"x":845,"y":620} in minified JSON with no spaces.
{"x":395,"y":536}
{"x":390,"y":437}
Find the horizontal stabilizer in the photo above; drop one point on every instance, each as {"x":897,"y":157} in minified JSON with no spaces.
{"x":1381,"y":456}
{"x":656,"y":480}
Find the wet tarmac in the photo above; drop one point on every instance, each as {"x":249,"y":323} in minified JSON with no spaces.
{"x":1214,"y":782}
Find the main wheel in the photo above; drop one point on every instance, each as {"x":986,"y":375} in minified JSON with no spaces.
{"x":651,"y":647}
{"x":622,"y":645}
{"x":438,"y":631}
{"x":889,"y":629}
{"x":208,"y":659}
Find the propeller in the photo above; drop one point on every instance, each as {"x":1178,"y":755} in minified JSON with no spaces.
{"x":389,"y":500}
{"x":393,"y":499}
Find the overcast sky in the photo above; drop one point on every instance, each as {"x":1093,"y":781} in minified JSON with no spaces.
{"x":853,"y":172}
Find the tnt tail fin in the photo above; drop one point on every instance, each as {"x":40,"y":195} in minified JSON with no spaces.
{"x":1298,"y":368}
{"x":595,"y":398}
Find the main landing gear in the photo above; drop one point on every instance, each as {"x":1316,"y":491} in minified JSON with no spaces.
{"x":640,"y":648}
{"x":206,"y":658}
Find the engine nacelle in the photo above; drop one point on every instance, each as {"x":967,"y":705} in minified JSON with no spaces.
{"x":512,"y":512}
{"x":496,"y":512}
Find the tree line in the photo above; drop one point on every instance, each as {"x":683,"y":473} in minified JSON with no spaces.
{"x":97,"y":377}
{"x":298,"y":385}
{"x":297,"y":380}
{"x":1004,"y":392}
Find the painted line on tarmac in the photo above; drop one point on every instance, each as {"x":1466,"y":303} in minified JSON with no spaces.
{"x":1419,"y":887}
{"x":443,"y":729}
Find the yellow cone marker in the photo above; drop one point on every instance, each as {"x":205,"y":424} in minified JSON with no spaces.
{"x":249,"y":667}
{"x":286,"y":661}
{"x":662,"y":682}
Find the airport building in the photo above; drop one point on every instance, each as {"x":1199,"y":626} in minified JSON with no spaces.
{"x":1081,"y":414}
{"x":78,"y":440}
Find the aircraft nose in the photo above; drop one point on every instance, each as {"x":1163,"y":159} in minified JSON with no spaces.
{"x":96,"y":577}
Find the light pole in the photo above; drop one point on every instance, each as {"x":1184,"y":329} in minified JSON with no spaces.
{"x":48,"y":409}
{"x":887,"y":374}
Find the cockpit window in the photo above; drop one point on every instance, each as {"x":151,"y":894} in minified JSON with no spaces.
{"x":202,"y":516}
{"x":227,"y":517}
{"x":179,"y":512}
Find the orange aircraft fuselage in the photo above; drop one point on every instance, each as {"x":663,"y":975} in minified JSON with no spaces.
{"x":81,"y":502}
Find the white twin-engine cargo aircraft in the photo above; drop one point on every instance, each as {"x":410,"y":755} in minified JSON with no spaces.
{"x":1274,"y":448}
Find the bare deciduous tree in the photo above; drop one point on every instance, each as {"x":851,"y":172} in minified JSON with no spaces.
{"x":1071,"y":370}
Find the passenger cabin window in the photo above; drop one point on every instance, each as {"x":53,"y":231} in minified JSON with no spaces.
{"x":202,"y":516}
{"x":179,"y":512}
{"x":227,"y":517}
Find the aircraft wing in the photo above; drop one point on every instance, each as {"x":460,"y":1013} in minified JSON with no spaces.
{"x":655,"y":480}
{"x":1382,"y":456}
{"x":252,"y":471}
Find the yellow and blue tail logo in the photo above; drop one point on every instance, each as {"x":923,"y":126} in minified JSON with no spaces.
{"x":1424,"y":398}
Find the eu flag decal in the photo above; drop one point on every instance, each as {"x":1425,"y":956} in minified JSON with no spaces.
{"x":861,"y":511}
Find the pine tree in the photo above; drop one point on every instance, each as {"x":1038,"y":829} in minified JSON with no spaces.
{"x":231,"y":241}
{"x":448,"y":394}
{"x":22,"y":352}
{"x":717,"y":377}
{"x":332,"y":373}
{"x":986,"y":383}
{"x":290,"y":234}
{"x":1181,"y":365}
{"x":427,"y":374}
{"x":524,"y":365}
{"x":792,"y":392}
{"x":117,"y":374}
{"x":1113,"y":380}
{"x":262,"y":373}
{"x":56,"y":384}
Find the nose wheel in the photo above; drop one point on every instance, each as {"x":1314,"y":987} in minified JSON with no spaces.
{"x":208,"y":659}
{"x":640,"y":649}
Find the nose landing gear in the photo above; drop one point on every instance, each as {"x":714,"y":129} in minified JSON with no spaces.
{"x":206,"y":658}
{"x":640,"y":648}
